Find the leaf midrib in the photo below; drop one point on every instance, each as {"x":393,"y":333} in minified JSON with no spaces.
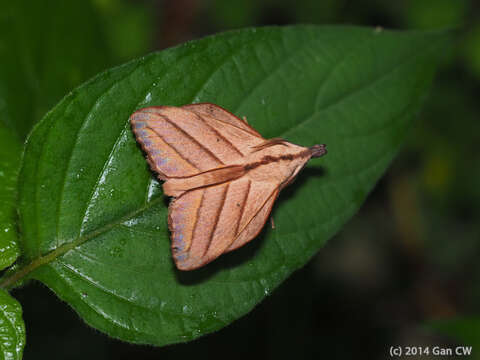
{"x":75,"y":242}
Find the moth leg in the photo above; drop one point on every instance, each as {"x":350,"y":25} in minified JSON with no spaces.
{"x":245,"y":119}
{"x":272,"y":222}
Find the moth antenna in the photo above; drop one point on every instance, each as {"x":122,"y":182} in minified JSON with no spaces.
{"x":270,"y":142}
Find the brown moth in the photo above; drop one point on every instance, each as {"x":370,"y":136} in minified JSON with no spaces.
{"x":224,"y":176}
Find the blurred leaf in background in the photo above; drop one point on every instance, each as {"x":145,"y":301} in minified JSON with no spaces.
{"x":466,"y":330}
{"x":46,"y":49}
{"x":129,"y":27}
{"x":472,"y":50}
{"x":230,"y":14}
{"x":431,"y":14}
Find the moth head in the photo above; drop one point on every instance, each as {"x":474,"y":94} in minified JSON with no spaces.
{"x":317,"y":151}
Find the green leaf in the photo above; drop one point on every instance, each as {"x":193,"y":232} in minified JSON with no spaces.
{"x":10,"y":151}
{"x":94,"y":217}
{"x":46,"y":49}
{"x":12,"y":328}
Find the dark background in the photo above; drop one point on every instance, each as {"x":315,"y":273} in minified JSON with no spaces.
{"x":407,"y":258}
